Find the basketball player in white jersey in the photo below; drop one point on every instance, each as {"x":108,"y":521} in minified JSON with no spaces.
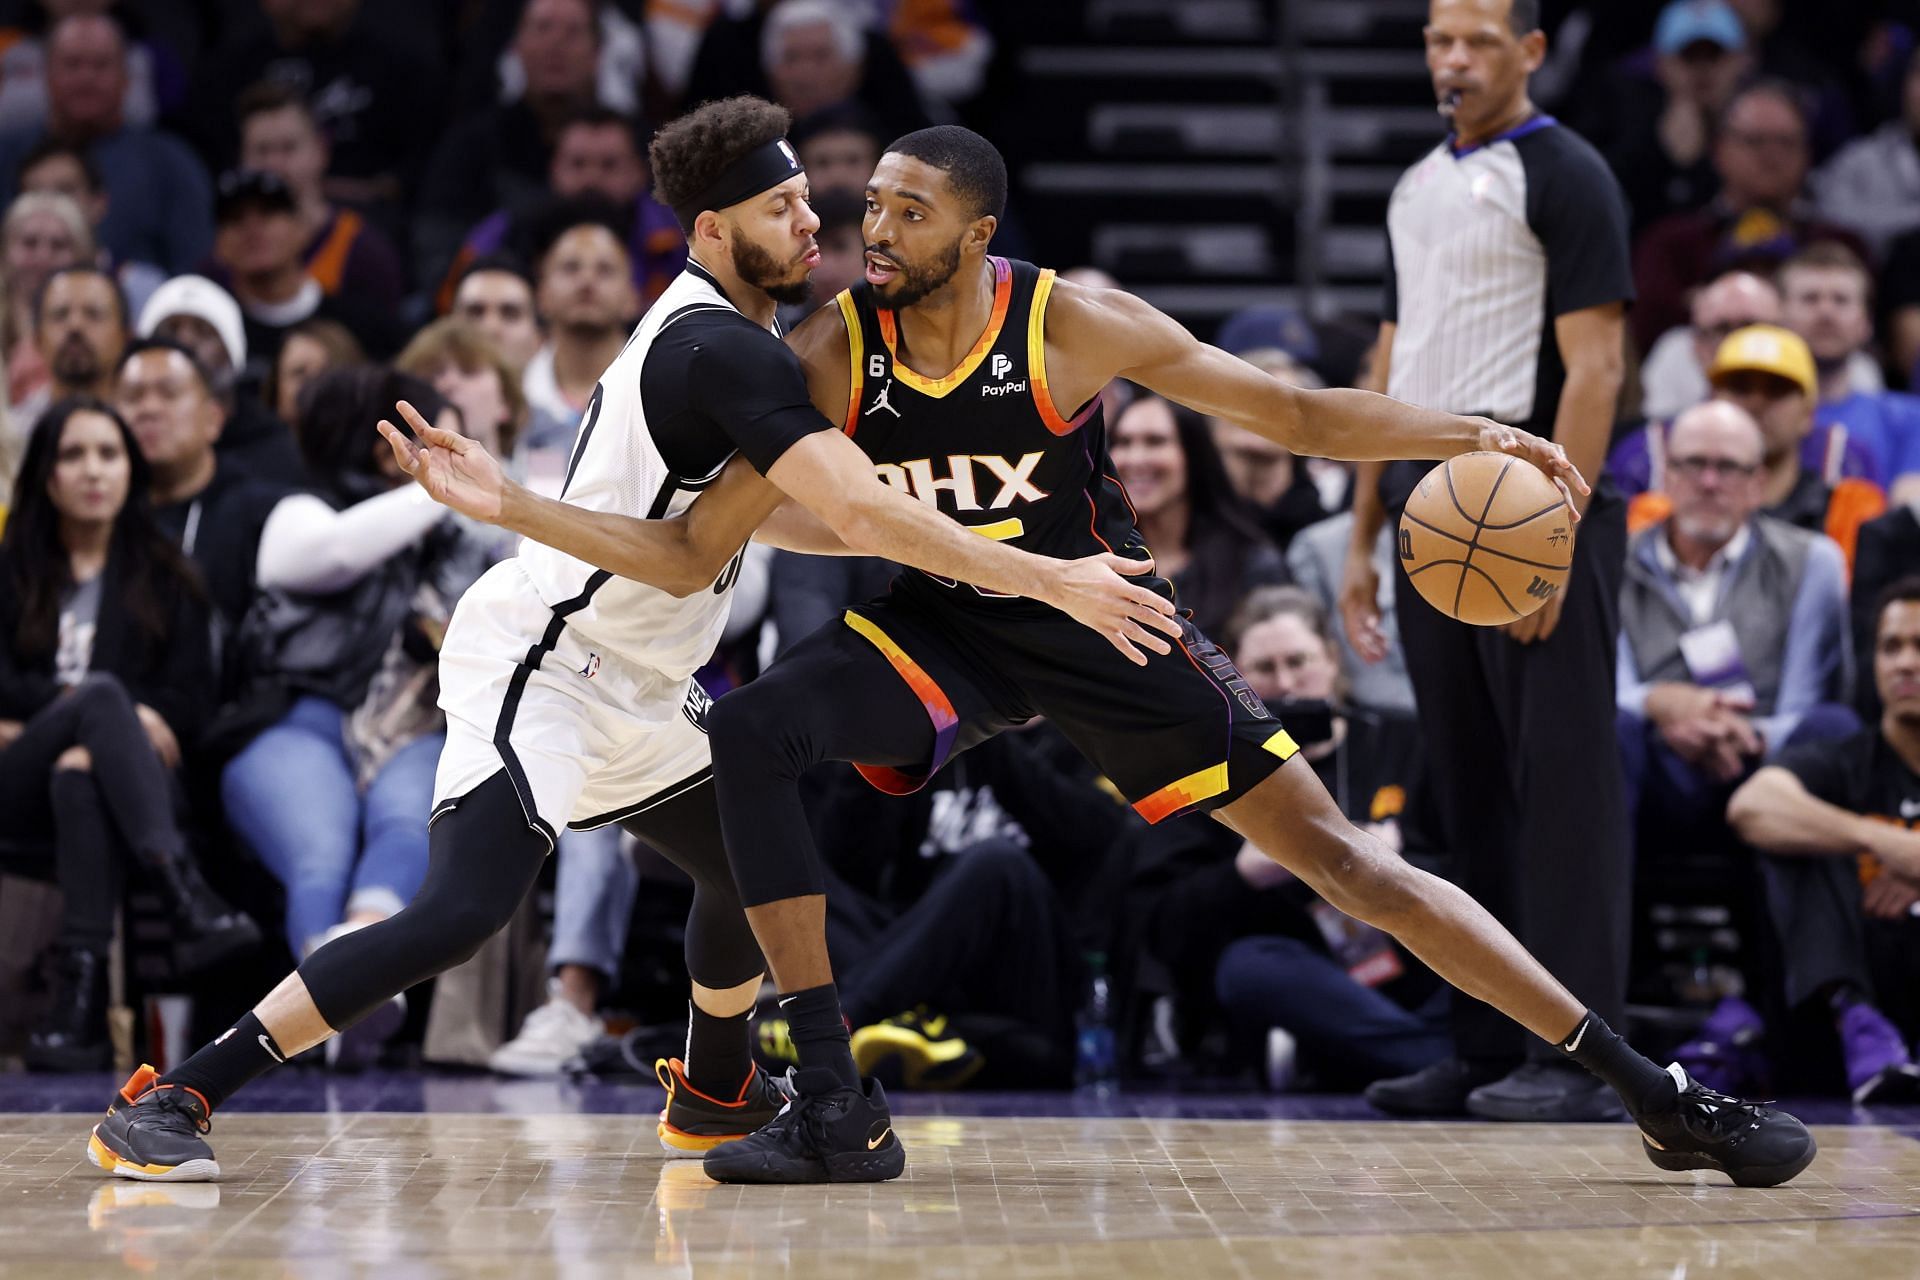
{"x":568,"y":691}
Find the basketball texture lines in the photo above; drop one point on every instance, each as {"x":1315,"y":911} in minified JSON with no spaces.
{"x":1487,"y":538}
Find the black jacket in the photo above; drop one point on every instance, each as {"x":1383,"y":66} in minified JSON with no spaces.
{"x":175,"y":677}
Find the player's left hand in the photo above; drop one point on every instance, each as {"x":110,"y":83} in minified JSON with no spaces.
{"x":1540,"y":624}
{"x":455,"y":471}
{"x":1093,"y":592}
{"x":1498,"y":437}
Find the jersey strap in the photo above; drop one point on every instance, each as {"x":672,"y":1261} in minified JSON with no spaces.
{"x":1037,"y":364}
{"x":850,"y":314}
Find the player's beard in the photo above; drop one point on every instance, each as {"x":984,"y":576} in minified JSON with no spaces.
{"x":760,"y":269}
{"x":914,"y":283}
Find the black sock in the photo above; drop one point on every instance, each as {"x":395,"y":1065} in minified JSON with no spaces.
{"x":1643,"y":1086}
{"x":240,"y":1053}
{"x":820,"y":1032}
{"x":1842,"y":996}
{"x":719,"y":1054}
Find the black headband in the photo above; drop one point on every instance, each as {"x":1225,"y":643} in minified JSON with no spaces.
{"x":767,"y":165}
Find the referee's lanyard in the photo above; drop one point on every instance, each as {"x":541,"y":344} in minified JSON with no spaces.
{"x":191,"y":534}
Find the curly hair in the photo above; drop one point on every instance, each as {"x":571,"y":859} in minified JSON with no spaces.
{"x":689,"y":154}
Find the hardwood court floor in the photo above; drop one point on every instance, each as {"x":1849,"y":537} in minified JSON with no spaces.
{"x":314,"y":1195}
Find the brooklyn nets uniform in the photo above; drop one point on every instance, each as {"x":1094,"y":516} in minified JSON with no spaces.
{"x":576,"y":682}
{"x":988,"y":445}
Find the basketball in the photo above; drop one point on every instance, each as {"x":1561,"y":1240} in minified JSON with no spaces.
{"x":1487,"y":538}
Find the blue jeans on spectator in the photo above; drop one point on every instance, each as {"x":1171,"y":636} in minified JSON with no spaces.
{"x":1352,"y":1033}
{"x":594,"y":888}
{"x":291,"y":796}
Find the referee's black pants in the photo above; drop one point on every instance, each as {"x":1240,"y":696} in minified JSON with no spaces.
{"x":1523,"y":759}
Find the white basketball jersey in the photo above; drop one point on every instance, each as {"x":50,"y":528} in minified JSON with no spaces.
{"x":616,"y":466}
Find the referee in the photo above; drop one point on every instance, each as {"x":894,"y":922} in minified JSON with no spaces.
{"x":1508,"y":279}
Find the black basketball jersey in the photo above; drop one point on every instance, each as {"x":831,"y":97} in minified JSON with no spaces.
{"x":987,"y":444}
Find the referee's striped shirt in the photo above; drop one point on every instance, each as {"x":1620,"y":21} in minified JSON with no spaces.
{"x":1487,"y":245}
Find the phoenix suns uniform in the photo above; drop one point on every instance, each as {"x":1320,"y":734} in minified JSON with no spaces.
{"x":989,"y":446}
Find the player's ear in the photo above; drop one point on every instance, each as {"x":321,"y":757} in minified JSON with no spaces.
{"x":1533,"y":50}
{"x":708,"y":233}
{"x":980,"y":234}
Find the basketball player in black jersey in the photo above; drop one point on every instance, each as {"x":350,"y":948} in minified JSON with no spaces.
{"x":971,"y":382}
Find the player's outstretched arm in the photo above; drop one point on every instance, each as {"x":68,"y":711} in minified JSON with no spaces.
{"x":829,"y":475}
{"x":1114,"y":334}
{"x":681,"y":556}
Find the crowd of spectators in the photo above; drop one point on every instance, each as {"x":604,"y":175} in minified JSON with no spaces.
{"x":228,"y":245}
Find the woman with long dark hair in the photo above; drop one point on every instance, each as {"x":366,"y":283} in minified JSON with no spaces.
{"x":1202,"y":535}
{"x":105,"y":662}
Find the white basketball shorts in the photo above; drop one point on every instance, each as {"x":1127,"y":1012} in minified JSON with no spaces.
{"x":587,"y":737}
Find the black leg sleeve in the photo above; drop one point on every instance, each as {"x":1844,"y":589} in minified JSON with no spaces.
{"x":721,"y":952}
{"x":832,"y":697}
{"x":482,"y":858}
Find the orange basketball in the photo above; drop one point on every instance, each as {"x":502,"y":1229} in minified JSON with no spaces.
{"x":1487,"y":538}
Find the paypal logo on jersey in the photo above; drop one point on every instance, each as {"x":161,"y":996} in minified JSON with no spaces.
{"x":1001,"y":366}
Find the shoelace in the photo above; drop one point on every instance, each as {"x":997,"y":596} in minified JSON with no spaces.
{"x":171,"y":1102}
{"x":803,"y":1112}
{"x":778,"y":1089}
{"x":812,"y":1118}
{"x":1718,"y":1114}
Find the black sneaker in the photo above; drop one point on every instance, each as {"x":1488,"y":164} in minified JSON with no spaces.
{"x":152,"y":1133}
{"x":1547,"y":1092}
{"x":694,"y":1123}
{"x":827,"y":1133}
{"x":1432,"y":1092}
{"x":1751,"y":1143}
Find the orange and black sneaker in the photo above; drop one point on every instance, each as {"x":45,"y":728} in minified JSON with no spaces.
{"x":916,"y":1050}
{"x":693,"y":1123}
{"x":152,"y":1133}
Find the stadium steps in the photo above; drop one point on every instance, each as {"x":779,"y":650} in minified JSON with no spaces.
{"x":1169,"y":145}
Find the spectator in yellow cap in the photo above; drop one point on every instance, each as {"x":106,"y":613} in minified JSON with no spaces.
{"x":1811,"y":478}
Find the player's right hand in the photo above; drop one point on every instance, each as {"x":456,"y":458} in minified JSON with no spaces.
{"x":455,"y":471}
{"x":1093,"y":593}
{"x":1360,"y":608}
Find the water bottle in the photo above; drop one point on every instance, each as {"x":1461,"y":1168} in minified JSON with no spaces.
{"x":1095,"y":1066}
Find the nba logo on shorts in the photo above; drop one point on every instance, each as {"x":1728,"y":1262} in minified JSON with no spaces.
{"x":1002,"y":364}
{"x":592,"y":668}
